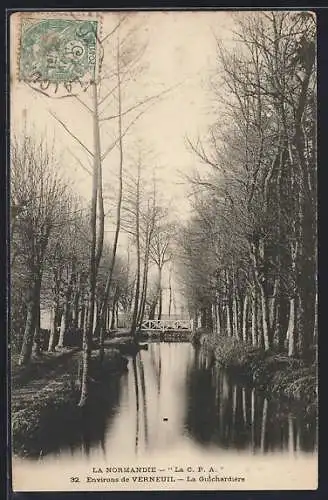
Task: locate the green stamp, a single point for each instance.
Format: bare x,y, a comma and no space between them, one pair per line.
58,51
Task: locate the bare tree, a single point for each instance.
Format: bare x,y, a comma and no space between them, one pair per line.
160,254
34,177
262,149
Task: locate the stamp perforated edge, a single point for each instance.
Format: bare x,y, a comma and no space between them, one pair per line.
17,20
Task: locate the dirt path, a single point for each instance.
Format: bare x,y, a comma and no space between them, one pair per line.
28,381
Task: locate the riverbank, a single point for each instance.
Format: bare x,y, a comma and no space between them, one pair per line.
269,371
45,397
126,343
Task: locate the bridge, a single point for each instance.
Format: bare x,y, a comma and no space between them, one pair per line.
167,324
168,330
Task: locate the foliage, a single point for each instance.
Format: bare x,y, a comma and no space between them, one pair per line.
269,370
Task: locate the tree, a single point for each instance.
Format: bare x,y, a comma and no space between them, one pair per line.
160,254
261,182
67,263
34,177
108,90
132,207
126,55
151,217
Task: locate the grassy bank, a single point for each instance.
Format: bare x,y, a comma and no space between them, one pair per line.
269,371
45,410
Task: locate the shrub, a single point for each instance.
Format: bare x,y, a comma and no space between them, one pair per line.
269,370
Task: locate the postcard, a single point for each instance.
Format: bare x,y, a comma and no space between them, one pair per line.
163,250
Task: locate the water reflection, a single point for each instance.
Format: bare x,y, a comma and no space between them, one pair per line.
82,429
231,414
154,392
173,394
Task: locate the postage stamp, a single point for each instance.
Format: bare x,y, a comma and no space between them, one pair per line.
58,53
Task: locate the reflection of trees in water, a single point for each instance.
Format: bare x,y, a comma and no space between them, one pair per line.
139,375
143,391
75,429
235,415
88,428
136,389
157,367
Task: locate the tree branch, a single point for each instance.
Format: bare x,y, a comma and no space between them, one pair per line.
112,146
83,104
71,133
138,104
79,161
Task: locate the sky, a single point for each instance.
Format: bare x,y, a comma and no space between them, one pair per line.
180,55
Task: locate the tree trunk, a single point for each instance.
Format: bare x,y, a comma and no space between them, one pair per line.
302,340
26,350
100,324
37,334
260,335
209,318
86,318
82,316
265,319
87,334
113,320
107,319
170,292
117,311
254,319
275,324
137,288
315,326
203,315
282,322
144,285
214,318
112,317
101,212
273,304
229,325
97,317
31,306
63,323
245,317
291,333
152,309
76,310
67,309
235,324
219,320
53,327
160,294
257,255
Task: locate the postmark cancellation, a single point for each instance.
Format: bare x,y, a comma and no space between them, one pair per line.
57,54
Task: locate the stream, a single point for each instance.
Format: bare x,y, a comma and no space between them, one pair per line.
174,409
